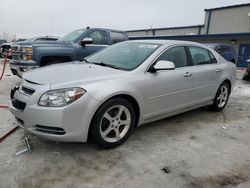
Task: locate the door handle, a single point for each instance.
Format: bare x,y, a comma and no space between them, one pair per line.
187,74
218,70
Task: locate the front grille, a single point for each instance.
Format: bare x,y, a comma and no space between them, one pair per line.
28,91
18,104
50,130
14,48
15,57
15,52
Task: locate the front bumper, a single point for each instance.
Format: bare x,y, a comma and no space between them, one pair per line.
69,123
19,67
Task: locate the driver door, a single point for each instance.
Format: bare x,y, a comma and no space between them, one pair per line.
168,90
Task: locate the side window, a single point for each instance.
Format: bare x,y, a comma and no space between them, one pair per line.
200,56
177,55
219,49
212,57
98,37
117,37
227,49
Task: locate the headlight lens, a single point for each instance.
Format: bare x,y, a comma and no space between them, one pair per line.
27,55
28,50
61,97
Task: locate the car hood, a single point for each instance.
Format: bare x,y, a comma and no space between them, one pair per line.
68,72
44,43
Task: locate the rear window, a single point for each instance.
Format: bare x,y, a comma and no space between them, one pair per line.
201,56
117,36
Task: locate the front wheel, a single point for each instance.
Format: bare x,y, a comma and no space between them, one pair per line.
113,123
221,98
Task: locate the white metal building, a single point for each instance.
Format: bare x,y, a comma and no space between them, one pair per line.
227,25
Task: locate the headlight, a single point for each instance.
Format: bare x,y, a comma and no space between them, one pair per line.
61,97
27,55
28,50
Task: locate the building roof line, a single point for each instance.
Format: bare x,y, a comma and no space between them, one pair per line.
163,28
227,7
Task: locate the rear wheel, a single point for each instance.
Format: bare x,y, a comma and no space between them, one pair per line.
221,98
113,123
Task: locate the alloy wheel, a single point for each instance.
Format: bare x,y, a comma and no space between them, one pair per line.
115,123
222,97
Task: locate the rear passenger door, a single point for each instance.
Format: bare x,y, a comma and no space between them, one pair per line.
205,74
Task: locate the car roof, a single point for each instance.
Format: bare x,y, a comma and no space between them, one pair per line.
217,44
168,42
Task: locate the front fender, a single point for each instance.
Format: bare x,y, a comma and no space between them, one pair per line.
103,93
40,52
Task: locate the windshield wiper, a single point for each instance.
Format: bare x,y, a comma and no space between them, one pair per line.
85,60
107,65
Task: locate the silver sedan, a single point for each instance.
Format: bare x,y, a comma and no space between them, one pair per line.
109,93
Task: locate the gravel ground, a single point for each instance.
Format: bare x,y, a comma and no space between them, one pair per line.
197,149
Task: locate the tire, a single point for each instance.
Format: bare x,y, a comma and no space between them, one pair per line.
221,98
246,76
108,130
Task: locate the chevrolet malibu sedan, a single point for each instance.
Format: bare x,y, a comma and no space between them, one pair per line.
106,95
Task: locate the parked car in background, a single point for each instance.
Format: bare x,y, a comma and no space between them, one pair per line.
226,51
113,91
76,45
5,47
20,40
2,41
247,74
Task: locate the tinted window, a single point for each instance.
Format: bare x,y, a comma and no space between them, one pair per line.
223,49
117,36
124,55
226,49
200,56
212,58
177,55
98,37
73,35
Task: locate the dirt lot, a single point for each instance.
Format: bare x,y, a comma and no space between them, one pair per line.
198,149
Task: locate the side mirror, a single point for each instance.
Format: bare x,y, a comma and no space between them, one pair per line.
163,65
86,41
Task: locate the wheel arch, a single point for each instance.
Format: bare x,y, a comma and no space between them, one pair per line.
45,59
229,84
127,97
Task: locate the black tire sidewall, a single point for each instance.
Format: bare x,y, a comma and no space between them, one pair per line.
95,125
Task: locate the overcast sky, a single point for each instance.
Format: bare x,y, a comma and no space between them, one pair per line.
28,18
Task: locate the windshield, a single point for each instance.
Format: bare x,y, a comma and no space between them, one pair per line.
124,55
73,35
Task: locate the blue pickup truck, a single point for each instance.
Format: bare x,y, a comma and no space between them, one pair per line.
76,45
